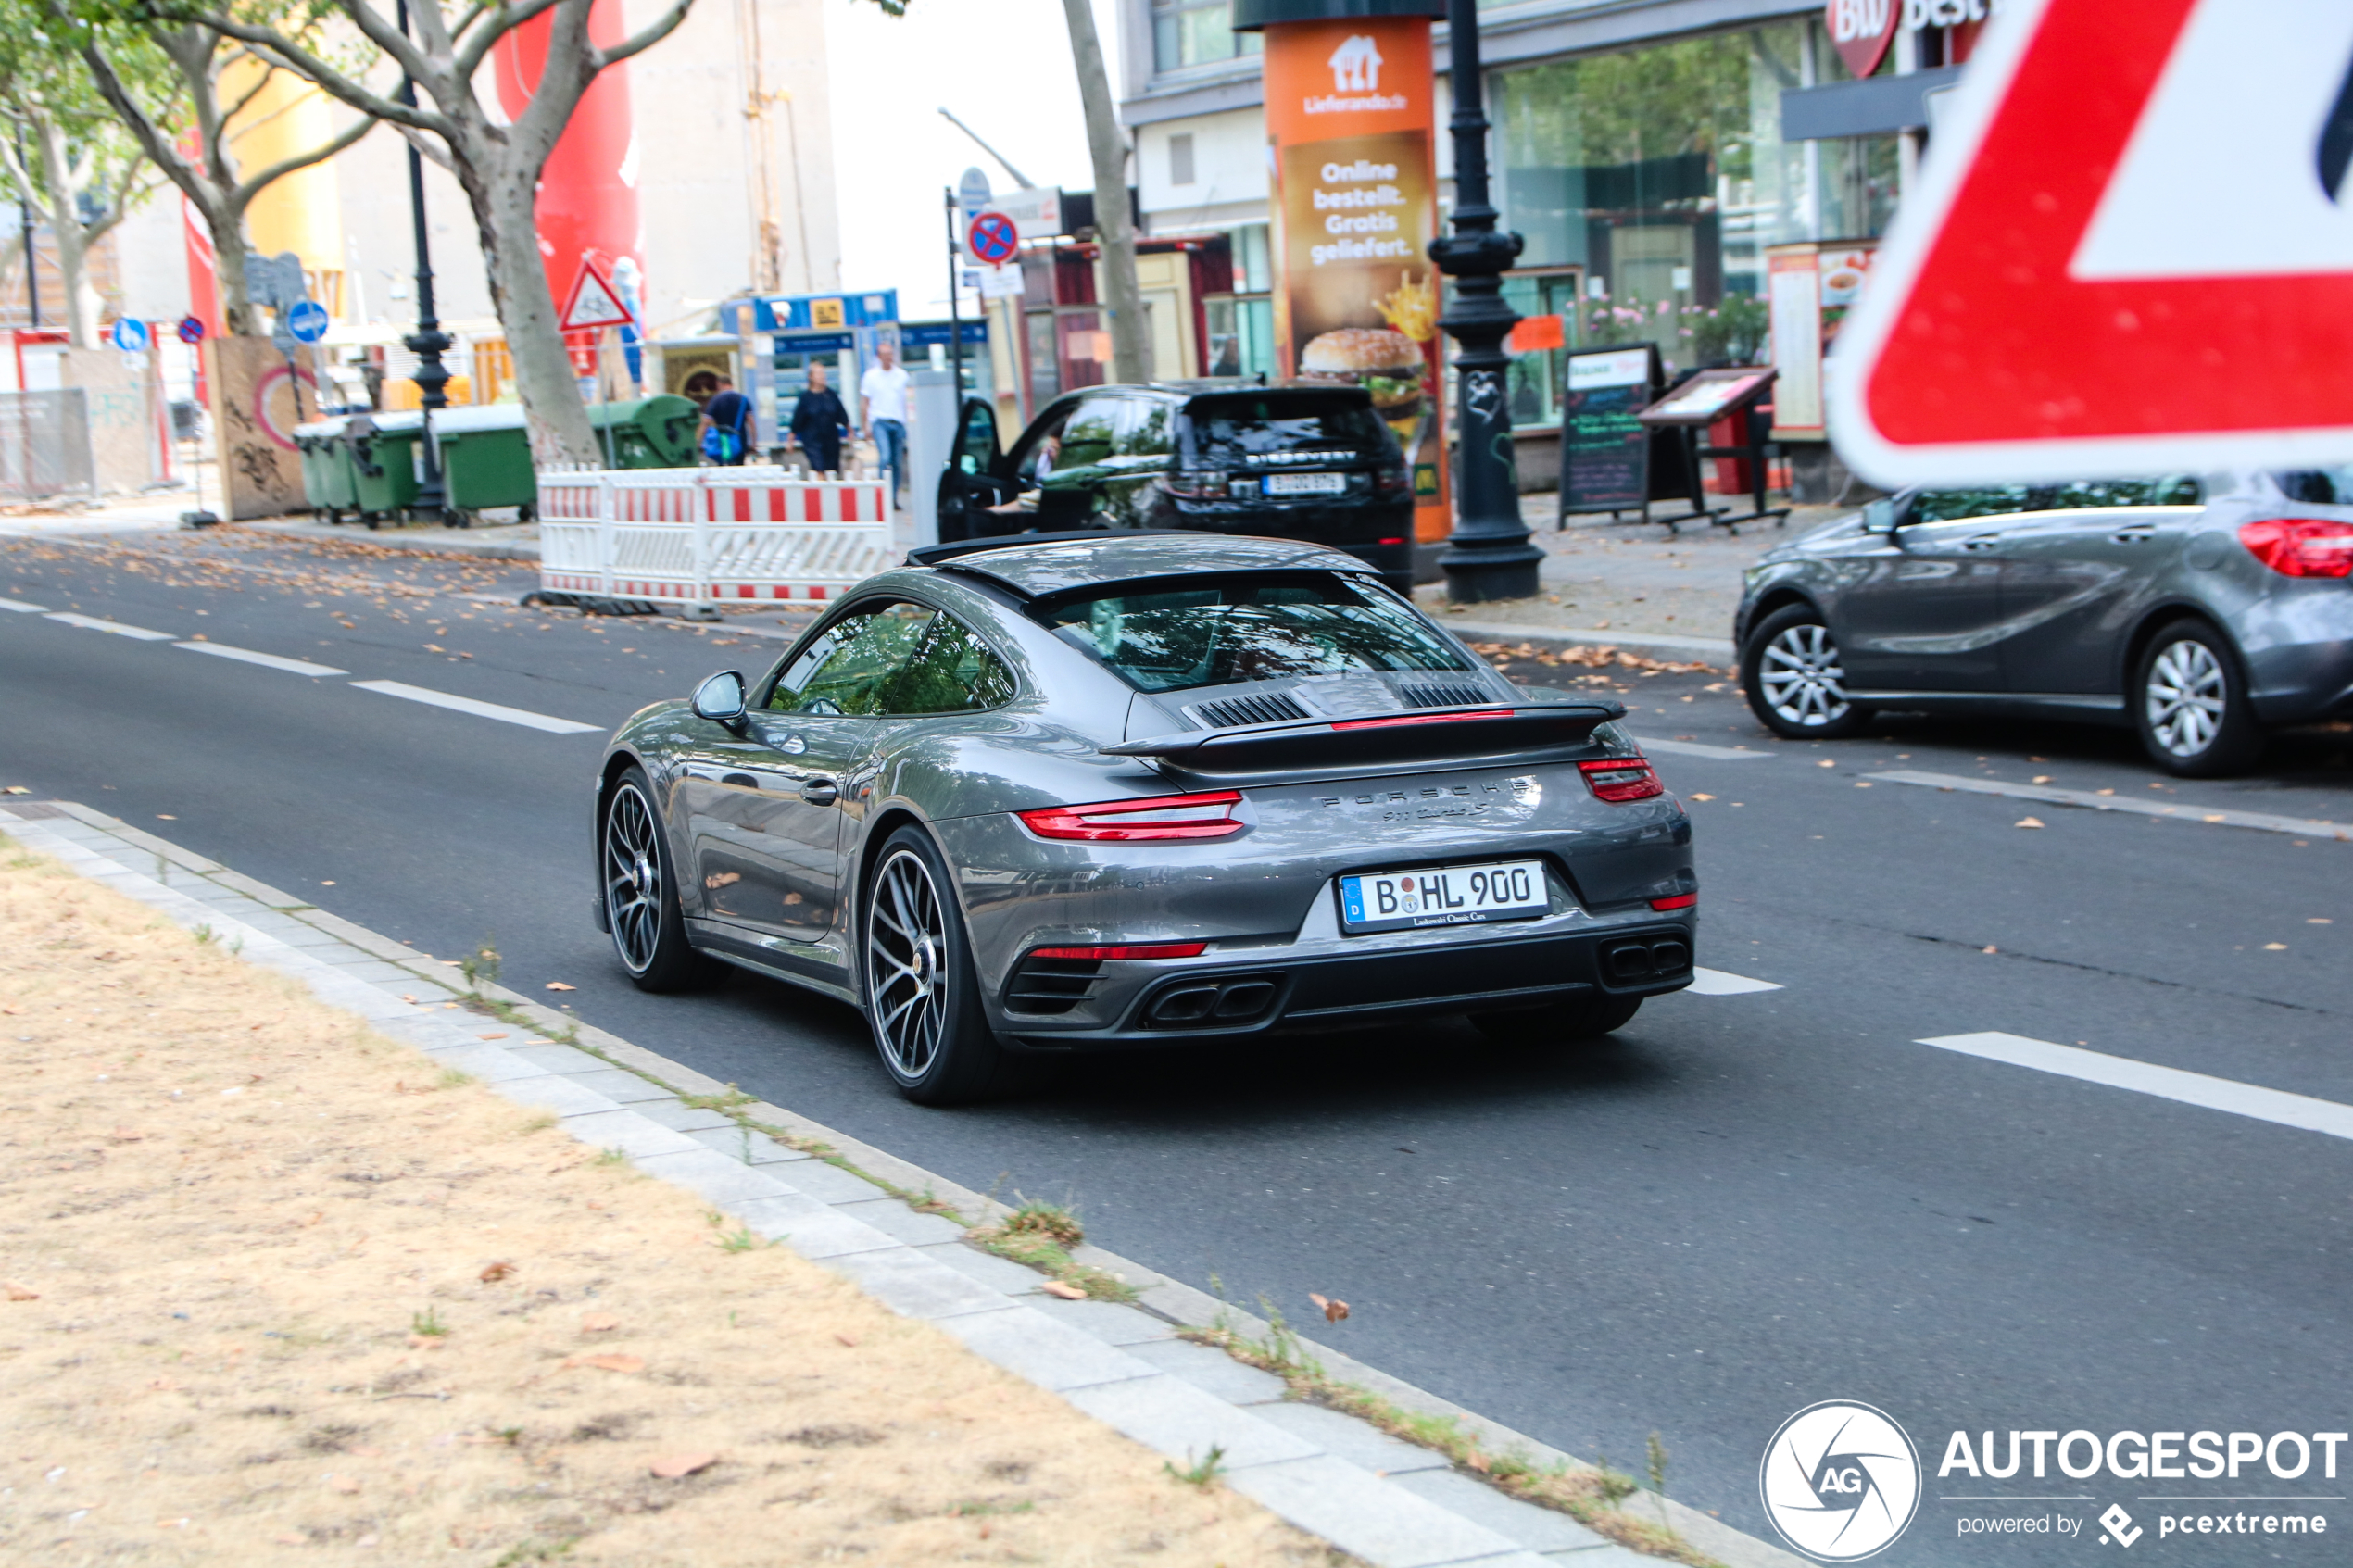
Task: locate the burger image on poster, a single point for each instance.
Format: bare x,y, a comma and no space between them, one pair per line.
1386,364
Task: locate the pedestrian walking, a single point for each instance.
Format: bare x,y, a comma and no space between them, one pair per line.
883,389
818,422
726,426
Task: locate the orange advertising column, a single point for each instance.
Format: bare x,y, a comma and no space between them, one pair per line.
1350,118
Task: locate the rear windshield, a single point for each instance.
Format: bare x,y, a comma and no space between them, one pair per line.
1226,432
1214,632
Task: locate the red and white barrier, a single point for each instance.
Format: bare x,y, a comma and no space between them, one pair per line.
702,536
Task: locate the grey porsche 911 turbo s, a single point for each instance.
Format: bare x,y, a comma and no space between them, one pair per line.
1055,794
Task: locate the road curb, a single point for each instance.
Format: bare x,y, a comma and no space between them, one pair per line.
1328,1473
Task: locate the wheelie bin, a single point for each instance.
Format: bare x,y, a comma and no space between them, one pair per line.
647,432
384,463
328,482
485,460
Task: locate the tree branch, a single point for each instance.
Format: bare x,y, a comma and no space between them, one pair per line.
659,29
271,48
504,18
151,137
246,189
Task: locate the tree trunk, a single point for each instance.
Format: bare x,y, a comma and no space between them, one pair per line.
1131,358
235,298
553,412
65,227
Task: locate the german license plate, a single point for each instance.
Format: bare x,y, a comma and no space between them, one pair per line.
1444,896
1306,484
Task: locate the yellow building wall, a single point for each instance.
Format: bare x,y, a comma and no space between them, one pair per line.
302,212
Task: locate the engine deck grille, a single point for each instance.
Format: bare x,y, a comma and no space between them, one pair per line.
1443,695
1271,708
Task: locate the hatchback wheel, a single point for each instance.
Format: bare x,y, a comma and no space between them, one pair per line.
641,894
1794,679
922,996
2190,704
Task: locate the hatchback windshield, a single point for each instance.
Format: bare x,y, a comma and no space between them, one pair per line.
1217,631
1229,431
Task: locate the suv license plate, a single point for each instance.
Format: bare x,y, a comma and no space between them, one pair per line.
1306,484
1444,896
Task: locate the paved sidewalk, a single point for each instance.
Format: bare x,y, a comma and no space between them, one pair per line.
1393,1504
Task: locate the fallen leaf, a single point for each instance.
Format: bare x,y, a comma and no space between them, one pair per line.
1698,796
608,1364
425,1341
600,1322
1827,762
164,817
672,1466
163,1386
1990,949
2275,946
1334,1312
344,1484
2315,920
365,1453
495,1273
501,1034
20,1292
1065,1289
2042,778
2215,817
2029,822
560,985
124,1134
1481,1462
18,789
407,997
848,1339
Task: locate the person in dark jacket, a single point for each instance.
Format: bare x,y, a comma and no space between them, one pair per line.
818,422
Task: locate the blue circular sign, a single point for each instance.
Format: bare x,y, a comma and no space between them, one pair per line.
306,320
130,335
993,238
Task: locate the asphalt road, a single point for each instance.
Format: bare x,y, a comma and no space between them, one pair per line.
1744,1204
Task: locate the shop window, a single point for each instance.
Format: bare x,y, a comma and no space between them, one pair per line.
1535,379
1180,158
1242,336
1194,32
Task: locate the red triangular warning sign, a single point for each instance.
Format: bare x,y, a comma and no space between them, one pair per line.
2131,252
593,302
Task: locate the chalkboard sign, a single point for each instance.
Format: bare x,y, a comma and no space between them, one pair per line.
1605,446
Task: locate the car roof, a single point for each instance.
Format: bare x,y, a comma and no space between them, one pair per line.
1053,566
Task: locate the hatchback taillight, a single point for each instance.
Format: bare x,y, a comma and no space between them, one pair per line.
1196,484
1393,482
1620,778
2301,546
1158,816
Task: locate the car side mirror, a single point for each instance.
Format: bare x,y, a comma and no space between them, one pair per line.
1880,516
722,699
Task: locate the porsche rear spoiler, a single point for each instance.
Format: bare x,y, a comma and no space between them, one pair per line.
1430,735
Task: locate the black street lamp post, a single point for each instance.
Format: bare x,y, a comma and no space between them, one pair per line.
1488,555
428,341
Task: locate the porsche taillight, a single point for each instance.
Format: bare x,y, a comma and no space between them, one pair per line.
1151,816
1618,778
2301,546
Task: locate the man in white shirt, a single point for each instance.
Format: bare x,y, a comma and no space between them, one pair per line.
883,391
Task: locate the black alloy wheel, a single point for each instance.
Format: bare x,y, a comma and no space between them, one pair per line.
641,894
1580,1019
922,996
1795,679
2189,703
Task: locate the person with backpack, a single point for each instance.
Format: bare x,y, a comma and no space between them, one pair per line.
818,421
726,426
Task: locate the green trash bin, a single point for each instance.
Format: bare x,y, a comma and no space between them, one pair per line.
485,460
384,463
647,433
328,482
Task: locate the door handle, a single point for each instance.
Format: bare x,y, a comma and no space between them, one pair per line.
2136,535
1983,542
819,792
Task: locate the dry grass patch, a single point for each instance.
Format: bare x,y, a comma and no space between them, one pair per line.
281,1289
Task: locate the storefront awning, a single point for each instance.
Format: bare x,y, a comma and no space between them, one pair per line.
1873,106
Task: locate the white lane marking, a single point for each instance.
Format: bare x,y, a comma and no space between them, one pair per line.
1716,983
2308,827
92,624
23,608
480,710
1694,748
2167,1083
267,661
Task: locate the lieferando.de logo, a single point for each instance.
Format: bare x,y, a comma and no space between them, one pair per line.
1841,1481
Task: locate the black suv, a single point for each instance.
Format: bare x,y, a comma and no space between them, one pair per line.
1284,461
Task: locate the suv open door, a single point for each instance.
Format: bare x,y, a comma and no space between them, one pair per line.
976,479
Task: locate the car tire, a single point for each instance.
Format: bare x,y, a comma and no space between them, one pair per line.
1584,1018
2190,704
1795,679
922,991
640,891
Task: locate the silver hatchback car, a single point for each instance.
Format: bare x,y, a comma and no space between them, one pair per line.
2201,611
1098,791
